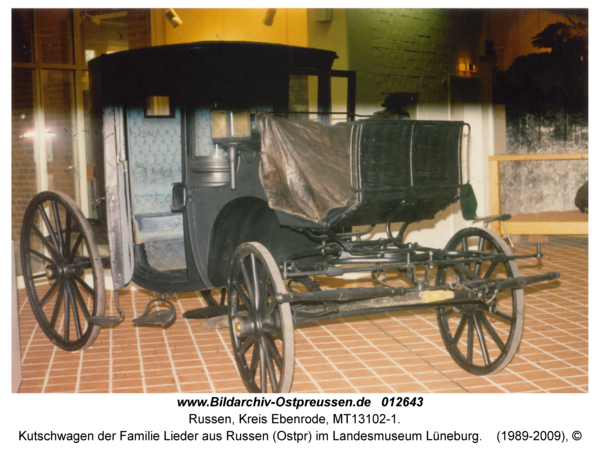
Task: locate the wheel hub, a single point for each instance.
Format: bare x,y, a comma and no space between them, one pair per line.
249,326
243,327
51,272
63,270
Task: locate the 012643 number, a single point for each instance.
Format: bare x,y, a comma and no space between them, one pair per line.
401,401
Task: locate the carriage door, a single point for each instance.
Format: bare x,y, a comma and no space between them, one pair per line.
154,144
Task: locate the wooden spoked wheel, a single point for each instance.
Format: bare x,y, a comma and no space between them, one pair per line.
62,270
481,338
262,330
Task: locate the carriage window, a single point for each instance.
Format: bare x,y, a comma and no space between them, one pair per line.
308,99
303,97
343,96
158,106
339,99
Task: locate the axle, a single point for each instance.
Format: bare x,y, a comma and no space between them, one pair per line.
484,286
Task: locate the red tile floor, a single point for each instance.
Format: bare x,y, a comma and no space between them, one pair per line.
396,352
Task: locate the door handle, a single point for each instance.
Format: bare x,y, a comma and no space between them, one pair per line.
178,197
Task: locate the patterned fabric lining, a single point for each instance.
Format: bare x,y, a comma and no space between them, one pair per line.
166,254
155,163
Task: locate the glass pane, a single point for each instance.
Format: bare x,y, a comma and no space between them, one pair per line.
24,180
157,106
240,123
55,35
339,99
106,31
298,97
22,36
218,123
60,129
303,96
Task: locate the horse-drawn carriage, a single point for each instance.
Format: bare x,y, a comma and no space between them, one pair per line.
205,179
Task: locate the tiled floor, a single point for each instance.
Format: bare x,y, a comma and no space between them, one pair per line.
399,352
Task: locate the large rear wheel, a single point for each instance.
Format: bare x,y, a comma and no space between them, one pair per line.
62,270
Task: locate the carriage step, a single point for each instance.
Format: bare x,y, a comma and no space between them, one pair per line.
161,316
164,317
205,313
108,319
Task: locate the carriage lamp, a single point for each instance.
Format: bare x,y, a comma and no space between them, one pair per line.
230,128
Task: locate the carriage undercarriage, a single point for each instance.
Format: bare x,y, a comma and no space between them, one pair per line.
473,284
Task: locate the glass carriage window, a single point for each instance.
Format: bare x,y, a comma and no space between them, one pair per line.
303,97
339,99
158,106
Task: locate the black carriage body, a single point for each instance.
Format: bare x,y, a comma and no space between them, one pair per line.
134,203
400,170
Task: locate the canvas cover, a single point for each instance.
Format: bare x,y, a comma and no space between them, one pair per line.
305,165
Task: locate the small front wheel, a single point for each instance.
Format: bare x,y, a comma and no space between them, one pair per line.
262,330
493,333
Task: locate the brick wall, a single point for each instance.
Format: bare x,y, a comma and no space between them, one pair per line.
410,50
55,25
138,28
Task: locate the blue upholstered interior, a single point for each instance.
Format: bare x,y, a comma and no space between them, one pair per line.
154,146
159,222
